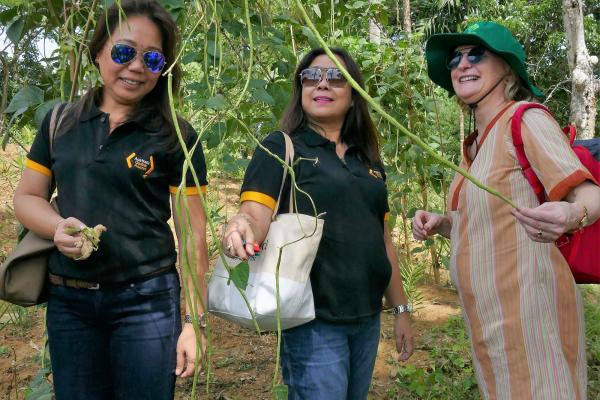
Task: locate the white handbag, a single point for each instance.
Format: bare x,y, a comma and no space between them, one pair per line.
298,235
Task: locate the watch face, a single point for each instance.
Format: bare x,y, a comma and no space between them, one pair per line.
201,320
401,309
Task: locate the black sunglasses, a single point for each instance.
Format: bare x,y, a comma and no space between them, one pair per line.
123,53
474,55
312,76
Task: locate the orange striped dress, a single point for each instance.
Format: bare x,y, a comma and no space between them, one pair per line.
522,309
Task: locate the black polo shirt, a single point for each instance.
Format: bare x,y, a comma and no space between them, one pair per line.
123,181
351,270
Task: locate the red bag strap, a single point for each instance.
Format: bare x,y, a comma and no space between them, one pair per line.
530,175
571,132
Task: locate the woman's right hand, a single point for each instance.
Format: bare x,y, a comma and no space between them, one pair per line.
238,237
426,224
65,243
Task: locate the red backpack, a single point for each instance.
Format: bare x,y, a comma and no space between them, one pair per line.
580,248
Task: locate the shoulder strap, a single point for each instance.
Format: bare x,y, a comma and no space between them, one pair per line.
52,127
530,175
56,118
289,160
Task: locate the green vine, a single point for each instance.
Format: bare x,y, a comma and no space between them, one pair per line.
415,139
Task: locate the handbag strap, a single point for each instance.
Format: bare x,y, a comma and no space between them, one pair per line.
289,160
52,127
56,118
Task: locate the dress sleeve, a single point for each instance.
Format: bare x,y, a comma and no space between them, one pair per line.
550,155
262,180
39,158
194,146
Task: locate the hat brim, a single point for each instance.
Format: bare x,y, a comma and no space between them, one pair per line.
440,45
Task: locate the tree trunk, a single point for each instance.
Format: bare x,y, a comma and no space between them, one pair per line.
583,86
406,16
9,68
374,32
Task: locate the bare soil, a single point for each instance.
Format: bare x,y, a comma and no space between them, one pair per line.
242,363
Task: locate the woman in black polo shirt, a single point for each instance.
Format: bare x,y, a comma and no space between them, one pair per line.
114,319
333,356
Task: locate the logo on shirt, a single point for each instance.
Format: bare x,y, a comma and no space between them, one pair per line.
146,166
375,174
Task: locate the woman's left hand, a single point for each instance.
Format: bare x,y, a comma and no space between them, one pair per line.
548,221
186,351
404,336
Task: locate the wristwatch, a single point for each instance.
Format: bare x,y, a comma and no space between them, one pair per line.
187,318
402,308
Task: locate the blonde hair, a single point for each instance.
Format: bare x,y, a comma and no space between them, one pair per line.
515,90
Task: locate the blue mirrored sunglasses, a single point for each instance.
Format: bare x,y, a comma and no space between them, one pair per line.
474,55
123,53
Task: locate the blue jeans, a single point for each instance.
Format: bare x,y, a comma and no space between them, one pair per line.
116,343
333,361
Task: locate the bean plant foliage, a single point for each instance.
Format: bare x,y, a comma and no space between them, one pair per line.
238,58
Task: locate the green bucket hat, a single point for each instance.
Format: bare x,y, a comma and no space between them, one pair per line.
490,35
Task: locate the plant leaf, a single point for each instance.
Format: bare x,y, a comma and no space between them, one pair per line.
42,110
317,10
216,102
240,274
263,95
25,98
280,392
15,30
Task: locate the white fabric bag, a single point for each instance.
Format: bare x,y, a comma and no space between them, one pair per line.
295,292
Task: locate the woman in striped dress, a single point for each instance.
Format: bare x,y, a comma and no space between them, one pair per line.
520,303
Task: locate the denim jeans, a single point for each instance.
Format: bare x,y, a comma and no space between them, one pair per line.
115,343
333,361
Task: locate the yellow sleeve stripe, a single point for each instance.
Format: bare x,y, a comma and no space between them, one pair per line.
259,197
189,191
38,167
386,216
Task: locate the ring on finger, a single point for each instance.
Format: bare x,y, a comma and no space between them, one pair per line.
539,233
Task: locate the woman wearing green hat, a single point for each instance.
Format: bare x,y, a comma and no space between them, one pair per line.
520,303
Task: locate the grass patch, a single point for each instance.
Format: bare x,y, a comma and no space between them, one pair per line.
450,373
591,309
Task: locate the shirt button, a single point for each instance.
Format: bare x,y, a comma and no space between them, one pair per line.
100,147
103,119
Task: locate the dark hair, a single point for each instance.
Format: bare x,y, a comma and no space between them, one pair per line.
358,128
157,101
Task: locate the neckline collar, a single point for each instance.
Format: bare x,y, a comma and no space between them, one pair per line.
312,138
472,137
147,119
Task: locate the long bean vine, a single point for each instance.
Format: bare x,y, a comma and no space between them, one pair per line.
206,19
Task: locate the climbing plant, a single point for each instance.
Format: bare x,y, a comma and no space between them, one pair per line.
238,57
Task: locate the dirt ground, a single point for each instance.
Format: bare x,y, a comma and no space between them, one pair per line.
242,362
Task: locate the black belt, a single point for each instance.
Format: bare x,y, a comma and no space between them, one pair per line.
78,284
